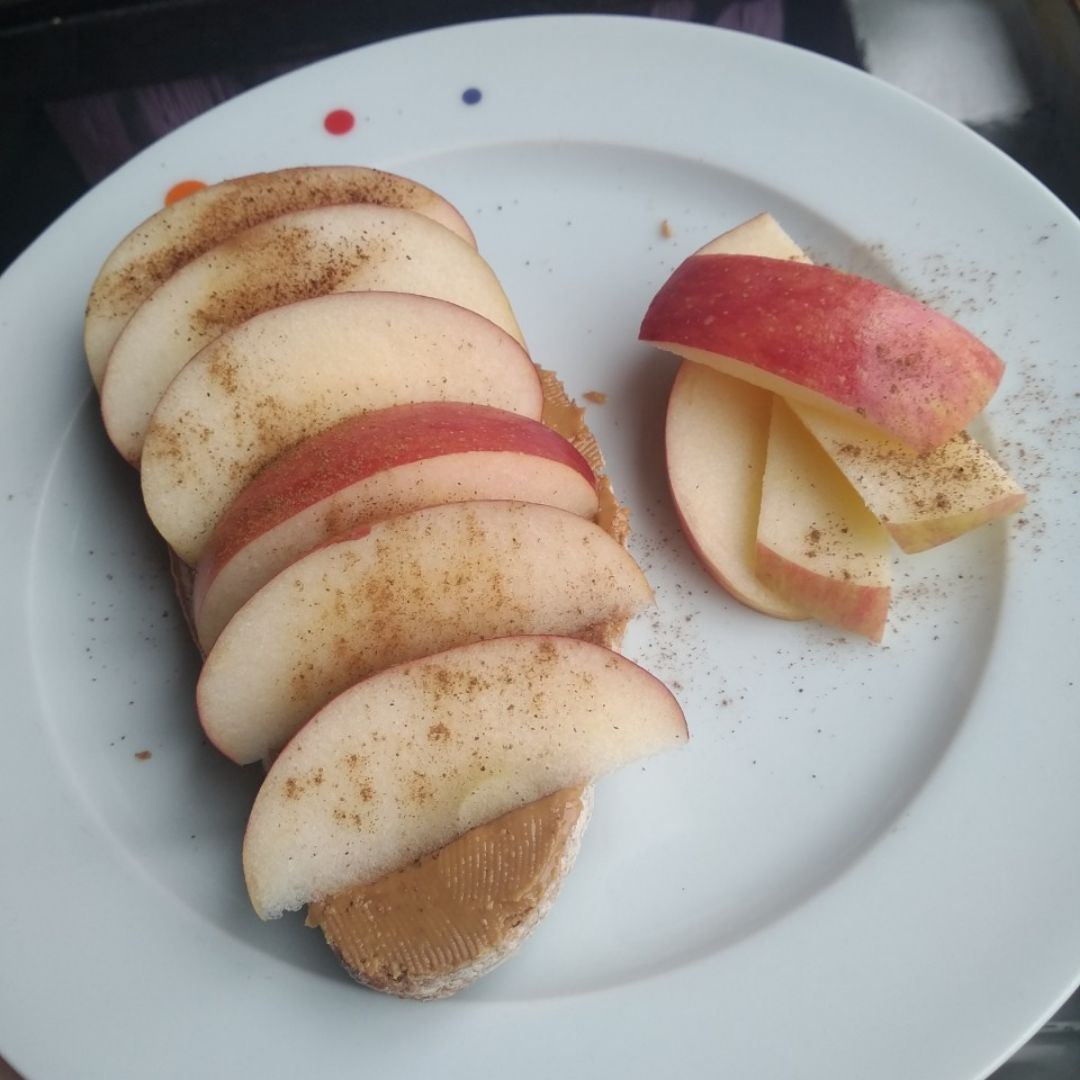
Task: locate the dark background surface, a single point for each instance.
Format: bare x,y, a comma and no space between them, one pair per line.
85,84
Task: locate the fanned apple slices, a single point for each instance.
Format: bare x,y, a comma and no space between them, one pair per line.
183,230
293,257
384,516
407,587
815,415
295,371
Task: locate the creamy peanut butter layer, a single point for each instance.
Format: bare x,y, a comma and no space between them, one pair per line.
455,905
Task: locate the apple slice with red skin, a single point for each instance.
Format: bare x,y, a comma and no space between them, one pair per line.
818,546
408,760
289,258
828,339
294,371
716,435
371,467
921,499
409,586
183,230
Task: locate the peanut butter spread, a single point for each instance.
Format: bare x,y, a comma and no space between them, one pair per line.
450,908
568,419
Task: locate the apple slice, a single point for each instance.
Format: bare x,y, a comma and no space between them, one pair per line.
759,235
413,585
371,467
294,371
406,761
716,435
292,257
921,499
826,339
817,545
174,236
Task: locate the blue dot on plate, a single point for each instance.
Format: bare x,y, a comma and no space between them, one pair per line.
471,96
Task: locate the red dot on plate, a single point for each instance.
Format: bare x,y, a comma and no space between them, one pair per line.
339,122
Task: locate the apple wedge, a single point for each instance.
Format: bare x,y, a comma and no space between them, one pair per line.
827,339
413,757
410,586
294,371
371,467
922,499
289,258
182,231
817,545
716,435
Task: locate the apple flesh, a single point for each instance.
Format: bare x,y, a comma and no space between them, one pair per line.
716,435
294,371
413,757
817,545
289,258
371,467
180,232
922,499
826,339
410,586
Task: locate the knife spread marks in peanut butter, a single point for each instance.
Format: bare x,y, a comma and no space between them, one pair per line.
457,904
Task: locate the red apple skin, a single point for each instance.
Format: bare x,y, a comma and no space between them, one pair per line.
862,609
884,356
361,446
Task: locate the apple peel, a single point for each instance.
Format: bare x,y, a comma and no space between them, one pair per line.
375,466
827,339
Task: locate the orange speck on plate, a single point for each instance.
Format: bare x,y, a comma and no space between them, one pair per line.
182,190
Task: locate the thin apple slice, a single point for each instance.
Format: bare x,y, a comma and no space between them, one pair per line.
406,761
818,546
294,371
759,235
371,467
827,339
411,586
289,258
922,499
716,435
182,231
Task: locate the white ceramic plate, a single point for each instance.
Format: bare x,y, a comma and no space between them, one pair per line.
864,866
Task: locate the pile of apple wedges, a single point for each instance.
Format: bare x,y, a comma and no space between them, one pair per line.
397,552
816,420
